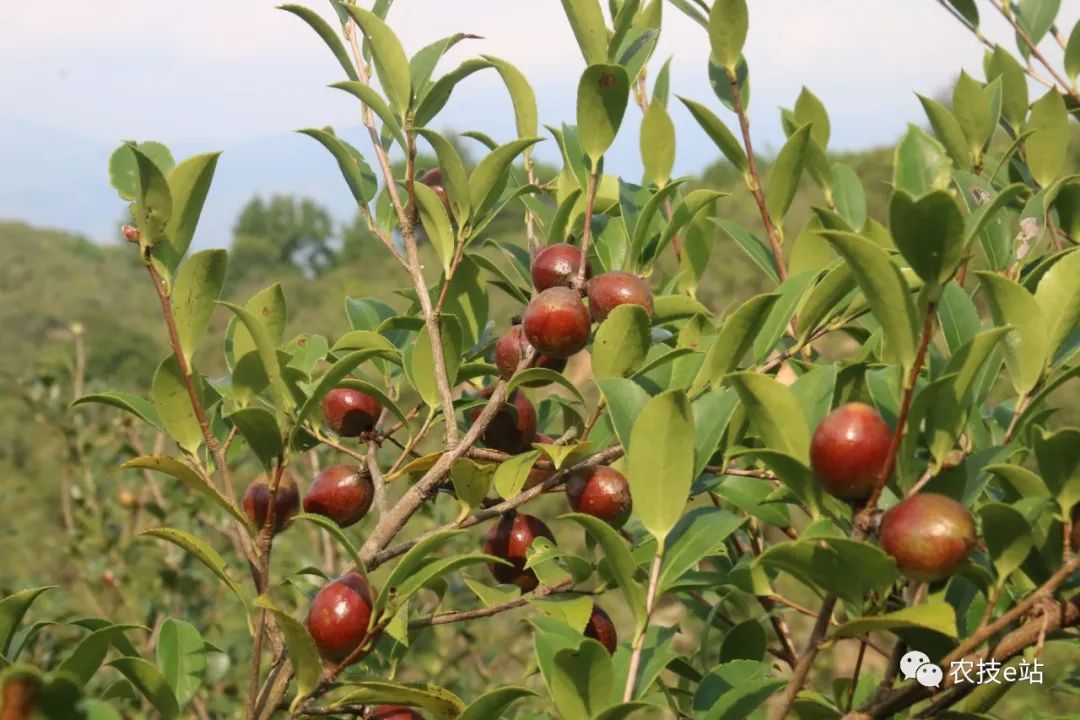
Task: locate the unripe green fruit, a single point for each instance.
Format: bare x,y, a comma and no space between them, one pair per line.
342,493
339,616
286,502
929,535
612,289
557,323
849,450
509,539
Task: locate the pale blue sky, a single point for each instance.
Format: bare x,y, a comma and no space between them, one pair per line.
240,76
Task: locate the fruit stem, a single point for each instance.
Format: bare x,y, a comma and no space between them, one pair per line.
639,639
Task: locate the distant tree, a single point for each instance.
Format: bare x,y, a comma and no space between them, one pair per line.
285,230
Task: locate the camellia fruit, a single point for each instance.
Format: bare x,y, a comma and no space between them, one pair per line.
342,493
929,535
557,323
849,450
601,492
612,289
556,266
510,431
349,412
286,502
339,616
512,347
601,629
509,539
433,178
395,712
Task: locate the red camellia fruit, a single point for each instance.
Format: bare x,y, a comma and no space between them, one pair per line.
929,535
339,615
601,629
556,266
512,346
395,712
509,539
349,412
508,432
342,493
557,323
849,450
601,492
612,289
433,178
286,502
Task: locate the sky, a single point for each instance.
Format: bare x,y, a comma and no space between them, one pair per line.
241,76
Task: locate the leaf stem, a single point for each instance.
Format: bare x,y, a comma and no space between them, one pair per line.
639,639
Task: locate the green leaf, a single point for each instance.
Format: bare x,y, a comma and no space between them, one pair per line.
975,113
791,292
733,341
1058,454
455,179
436,223
1072,53
328,35
884,288
948,131
265,346
621,343
197,287
372,99
302,651
934,615
124,170
521,95
153,200
137,406
149,681
494,703
205,554
423,63
1036,17
587,21
602,95
440,702
753,246
511,475
1049,140
661,461
485,179
824,301
657,144
787,171
358,175
88,655
734,690
413,561
625,400
700,533
471,482
181,656
187,475
729,21
267,304
12,610
1058,294
774,414
420,360
718,133
1010,541
1014,87
810,110
335,531
1026,347
849,195
920,164
618,557
581,680
391,63
260,429
173,405
189,184
929,232
712,414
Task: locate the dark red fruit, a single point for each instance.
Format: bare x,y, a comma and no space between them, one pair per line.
395,712
601,492
339,615
615,288
556,266
349,412
509,539
849,450
342,493
506,432
929,535
512,346
556,322
433,178
601,629
286,502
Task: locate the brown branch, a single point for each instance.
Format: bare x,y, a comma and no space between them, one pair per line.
639,639
586,232
1060,82
462,615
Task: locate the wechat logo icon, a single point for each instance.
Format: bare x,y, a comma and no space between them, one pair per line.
917,665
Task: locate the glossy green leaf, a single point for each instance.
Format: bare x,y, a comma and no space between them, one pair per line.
621,343
436,223
173,405
1058,454
438,701
774,414
189,184
202,551
124,170
259,428
372,99
618,557
734,690
358,174
187,475
12,610
700,533
1058,294
718,132
86,658
810,110
484,181
603,93
657,144
1026,347
137,406
661,461
1014,84
974,111
420,360
328,35
266,347
415,559
455,179
150,682
335,531
581,681
153,199
1011,539
825,299
920,164
791,292
587,21
712,414
733,341
948,131
302,651
935,615
181,656
884,288
494,703
754,247
521,95
422,64
1036,18
929,232
1046,146
391,63
196,290
729,21
1072,53
267,304
545,375
787,171
512,474
625,400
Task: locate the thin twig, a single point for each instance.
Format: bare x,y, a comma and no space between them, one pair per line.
639,639
462,615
